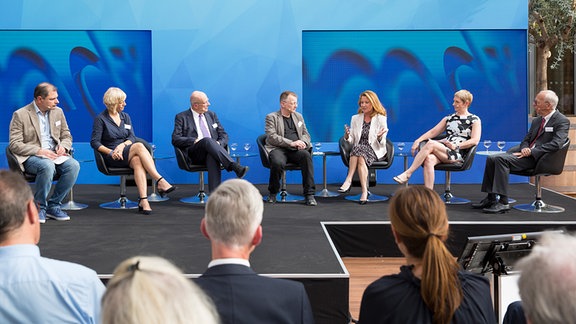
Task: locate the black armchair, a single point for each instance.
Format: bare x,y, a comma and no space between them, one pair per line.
184,164
345,149
284,195
448,197
551,163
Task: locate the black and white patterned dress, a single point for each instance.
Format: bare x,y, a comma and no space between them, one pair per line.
363,148
459,130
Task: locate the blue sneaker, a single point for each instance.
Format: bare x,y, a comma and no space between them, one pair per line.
42,216
56,213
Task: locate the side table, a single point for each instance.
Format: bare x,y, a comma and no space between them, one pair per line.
325,192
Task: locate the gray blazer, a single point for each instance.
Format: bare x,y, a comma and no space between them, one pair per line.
275,130
25,132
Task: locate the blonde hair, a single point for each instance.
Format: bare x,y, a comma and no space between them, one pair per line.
377,107
113,97
465,96
148,289
418,216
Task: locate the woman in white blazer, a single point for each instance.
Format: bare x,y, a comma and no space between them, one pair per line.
367,133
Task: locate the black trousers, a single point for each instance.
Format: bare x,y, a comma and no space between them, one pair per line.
208,151
278,159
497,171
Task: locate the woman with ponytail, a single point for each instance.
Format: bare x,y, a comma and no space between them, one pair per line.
431,287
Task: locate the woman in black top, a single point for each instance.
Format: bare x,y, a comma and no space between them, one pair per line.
431,288
113,136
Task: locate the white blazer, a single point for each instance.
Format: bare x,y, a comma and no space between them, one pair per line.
377,123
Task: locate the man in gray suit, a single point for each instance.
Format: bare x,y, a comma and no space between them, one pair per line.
41,141
548,133
288,140
232,223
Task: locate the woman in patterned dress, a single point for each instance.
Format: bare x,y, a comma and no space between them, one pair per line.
367,133
463,130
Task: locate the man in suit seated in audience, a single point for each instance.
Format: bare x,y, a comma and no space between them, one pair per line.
199,134
547,282
34,289
232,223
547,133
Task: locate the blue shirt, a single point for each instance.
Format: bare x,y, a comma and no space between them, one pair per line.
105,131
34,289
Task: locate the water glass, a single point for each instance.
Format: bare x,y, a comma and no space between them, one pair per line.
401,146
317,146
487,144
501,145
247,147
234,147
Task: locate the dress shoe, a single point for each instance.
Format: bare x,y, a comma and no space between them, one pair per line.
363,202
271,198
484,203
141,209
240,171
310,201
345,187
161,192
401,179
497,208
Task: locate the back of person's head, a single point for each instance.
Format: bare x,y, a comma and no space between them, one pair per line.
377,106
15,193
547,282
147,289
418,217
464,95
234,212
112,97
551,97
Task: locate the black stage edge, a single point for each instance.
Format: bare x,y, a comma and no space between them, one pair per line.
300,242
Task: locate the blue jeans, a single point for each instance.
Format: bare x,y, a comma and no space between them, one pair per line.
45,170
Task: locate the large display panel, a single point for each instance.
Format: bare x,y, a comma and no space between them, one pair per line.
415,74
82,64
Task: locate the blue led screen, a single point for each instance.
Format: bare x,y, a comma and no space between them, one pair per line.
82,64
415,74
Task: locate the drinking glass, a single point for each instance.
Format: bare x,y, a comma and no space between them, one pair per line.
487,144
234,147
501,145
401,146
247,147
317,146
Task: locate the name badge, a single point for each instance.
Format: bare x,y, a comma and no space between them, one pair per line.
58,123
126,126
214,125
300,124
549,129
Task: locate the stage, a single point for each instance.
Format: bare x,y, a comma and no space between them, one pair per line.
300,242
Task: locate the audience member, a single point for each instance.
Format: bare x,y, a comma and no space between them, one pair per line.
548,133
199,134
547,282
367,133
431,288
41,141
463,130
34,289
113,136
148,289
288,140
232,223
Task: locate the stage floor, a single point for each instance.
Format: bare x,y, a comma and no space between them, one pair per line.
300,242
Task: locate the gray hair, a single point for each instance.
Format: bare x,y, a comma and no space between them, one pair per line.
15,194
234,212
547,282
551,97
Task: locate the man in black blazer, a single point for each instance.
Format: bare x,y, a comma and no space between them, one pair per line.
232,223
547,133
199,134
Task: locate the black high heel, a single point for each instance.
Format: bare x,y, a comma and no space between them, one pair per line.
141,209
161,192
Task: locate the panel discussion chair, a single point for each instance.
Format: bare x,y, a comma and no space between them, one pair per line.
551,163
345,150
184,164
122,202
285,196
447,196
